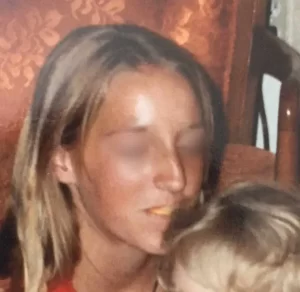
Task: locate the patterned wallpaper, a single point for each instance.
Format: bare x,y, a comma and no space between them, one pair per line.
29,29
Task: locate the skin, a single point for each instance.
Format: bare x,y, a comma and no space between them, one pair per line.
141,160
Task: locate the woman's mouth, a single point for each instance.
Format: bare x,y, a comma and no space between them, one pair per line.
161,211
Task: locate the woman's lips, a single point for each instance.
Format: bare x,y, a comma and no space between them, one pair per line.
161,211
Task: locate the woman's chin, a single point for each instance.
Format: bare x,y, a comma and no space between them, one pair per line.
155,247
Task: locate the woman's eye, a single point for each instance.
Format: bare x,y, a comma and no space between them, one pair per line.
191,142
133,150
191,150
191,147
131,145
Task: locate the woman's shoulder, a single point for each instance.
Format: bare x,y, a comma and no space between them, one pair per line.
62,287
66,286
4,285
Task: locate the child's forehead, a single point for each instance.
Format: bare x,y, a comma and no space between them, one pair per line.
184,283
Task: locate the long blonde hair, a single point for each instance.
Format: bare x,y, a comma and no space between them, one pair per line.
70,89
246,241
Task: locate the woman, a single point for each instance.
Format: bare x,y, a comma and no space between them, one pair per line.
117,138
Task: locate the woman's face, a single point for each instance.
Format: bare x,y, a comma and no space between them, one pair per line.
143,157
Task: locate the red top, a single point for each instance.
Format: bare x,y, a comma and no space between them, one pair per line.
63,287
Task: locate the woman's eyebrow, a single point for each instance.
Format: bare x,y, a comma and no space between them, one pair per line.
192,127
198,125
133,129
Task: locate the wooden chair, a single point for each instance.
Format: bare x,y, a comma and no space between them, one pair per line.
223,34
272,56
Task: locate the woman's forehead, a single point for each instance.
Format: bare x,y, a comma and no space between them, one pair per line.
148,96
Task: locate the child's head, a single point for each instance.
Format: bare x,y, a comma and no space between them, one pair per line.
247,240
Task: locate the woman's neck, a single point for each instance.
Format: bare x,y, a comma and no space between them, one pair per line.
106,265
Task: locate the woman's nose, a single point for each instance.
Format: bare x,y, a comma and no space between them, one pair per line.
169,174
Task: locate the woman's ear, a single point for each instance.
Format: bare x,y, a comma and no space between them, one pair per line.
63,167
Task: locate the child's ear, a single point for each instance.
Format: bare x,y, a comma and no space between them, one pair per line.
62,166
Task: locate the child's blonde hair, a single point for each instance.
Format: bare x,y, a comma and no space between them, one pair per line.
247,240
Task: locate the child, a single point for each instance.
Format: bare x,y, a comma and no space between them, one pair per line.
248,240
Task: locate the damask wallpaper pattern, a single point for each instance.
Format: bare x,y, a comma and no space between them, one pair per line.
29,29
